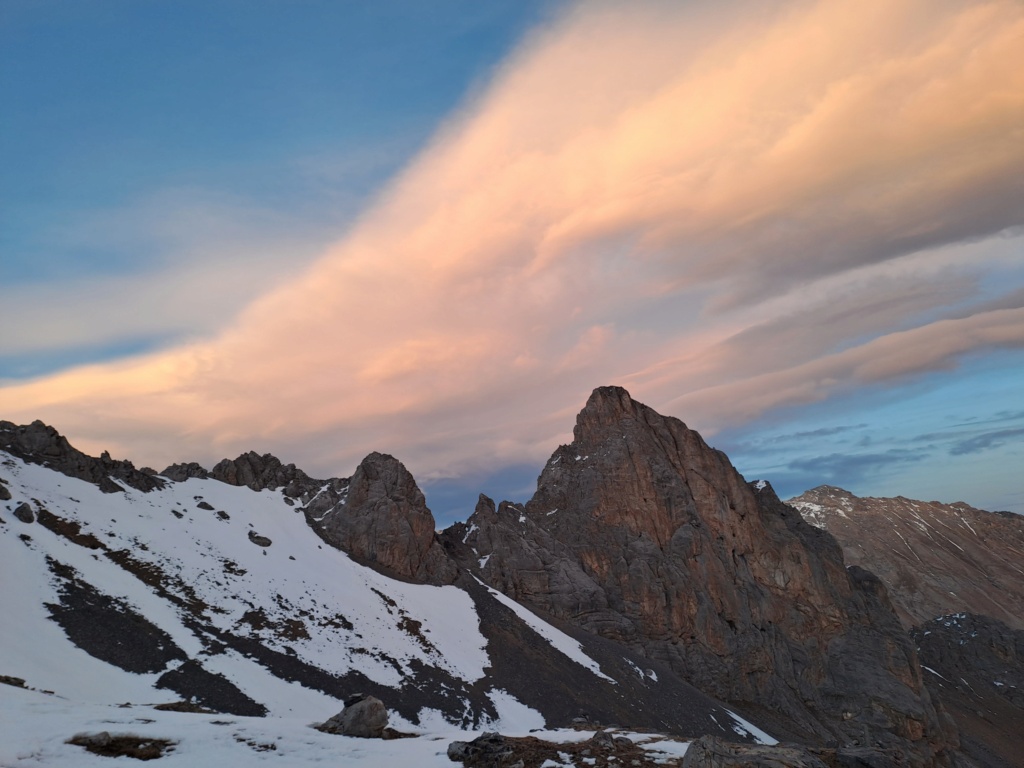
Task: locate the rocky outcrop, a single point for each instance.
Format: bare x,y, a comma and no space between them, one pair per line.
38,443
363,716
266,471
975,666
935,559
383,519
641,533
179,473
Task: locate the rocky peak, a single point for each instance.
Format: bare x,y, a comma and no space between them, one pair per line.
642,533
38,443
383,518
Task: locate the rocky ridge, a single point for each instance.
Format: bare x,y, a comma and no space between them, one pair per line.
935,559
640,541
38,443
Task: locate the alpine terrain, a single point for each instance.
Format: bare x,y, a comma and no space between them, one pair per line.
954,574
647,606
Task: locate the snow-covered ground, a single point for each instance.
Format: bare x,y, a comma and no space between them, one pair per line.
34,729
351,617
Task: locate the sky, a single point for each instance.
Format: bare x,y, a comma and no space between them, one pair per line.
320,229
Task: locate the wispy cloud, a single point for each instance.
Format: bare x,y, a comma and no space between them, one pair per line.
987,441
727,208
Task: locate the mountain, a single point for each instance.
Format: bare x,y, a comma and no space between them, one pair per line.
641,533
935,559
645,583
212,591
953,573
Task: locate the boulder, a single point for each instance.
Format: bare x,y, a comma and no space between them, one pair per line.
24,513
363,716
259,541
487,749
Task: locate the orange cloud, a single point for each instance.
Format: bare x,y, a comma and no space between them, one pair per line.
620,205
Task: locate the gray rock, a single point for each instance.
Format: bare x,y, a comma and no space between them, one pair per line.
5,494
363,716
38,443
261,472
179,473
24,513
487,749
260,541
712,752
383,519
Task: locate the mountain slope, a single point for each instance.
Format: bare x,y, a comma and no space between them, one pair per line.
935,559
641,533
209,590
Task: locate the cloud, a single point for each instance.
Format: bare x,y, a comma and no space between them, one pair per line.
985,441
852,467
727,208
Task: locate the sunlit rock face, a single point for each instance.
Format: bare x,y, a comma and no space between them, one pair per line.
642,533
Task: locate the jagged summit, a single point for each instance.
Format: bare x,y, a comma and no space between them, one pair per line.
642,533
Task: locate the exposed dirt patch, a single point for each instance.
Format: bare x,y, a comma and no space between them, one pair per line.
69,529
107,628
122,745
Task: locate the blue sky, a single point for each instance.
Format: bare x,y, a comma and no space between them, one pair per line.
320,229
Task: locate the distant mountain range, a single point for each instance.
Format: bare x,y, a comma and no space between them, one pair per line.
645,584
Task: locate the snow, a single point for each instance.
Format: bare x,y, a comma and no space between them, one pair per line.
34,727
215,560
746,728
761,485
514,717
665,748
558,639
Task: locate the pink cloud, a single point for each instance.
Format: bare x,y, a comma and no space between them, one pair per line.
620,205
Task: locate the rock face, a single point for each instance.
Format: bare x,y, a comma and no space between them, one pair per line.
266,471
711,752
363,716
39,444
975,666
383,519
935,559
641,533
